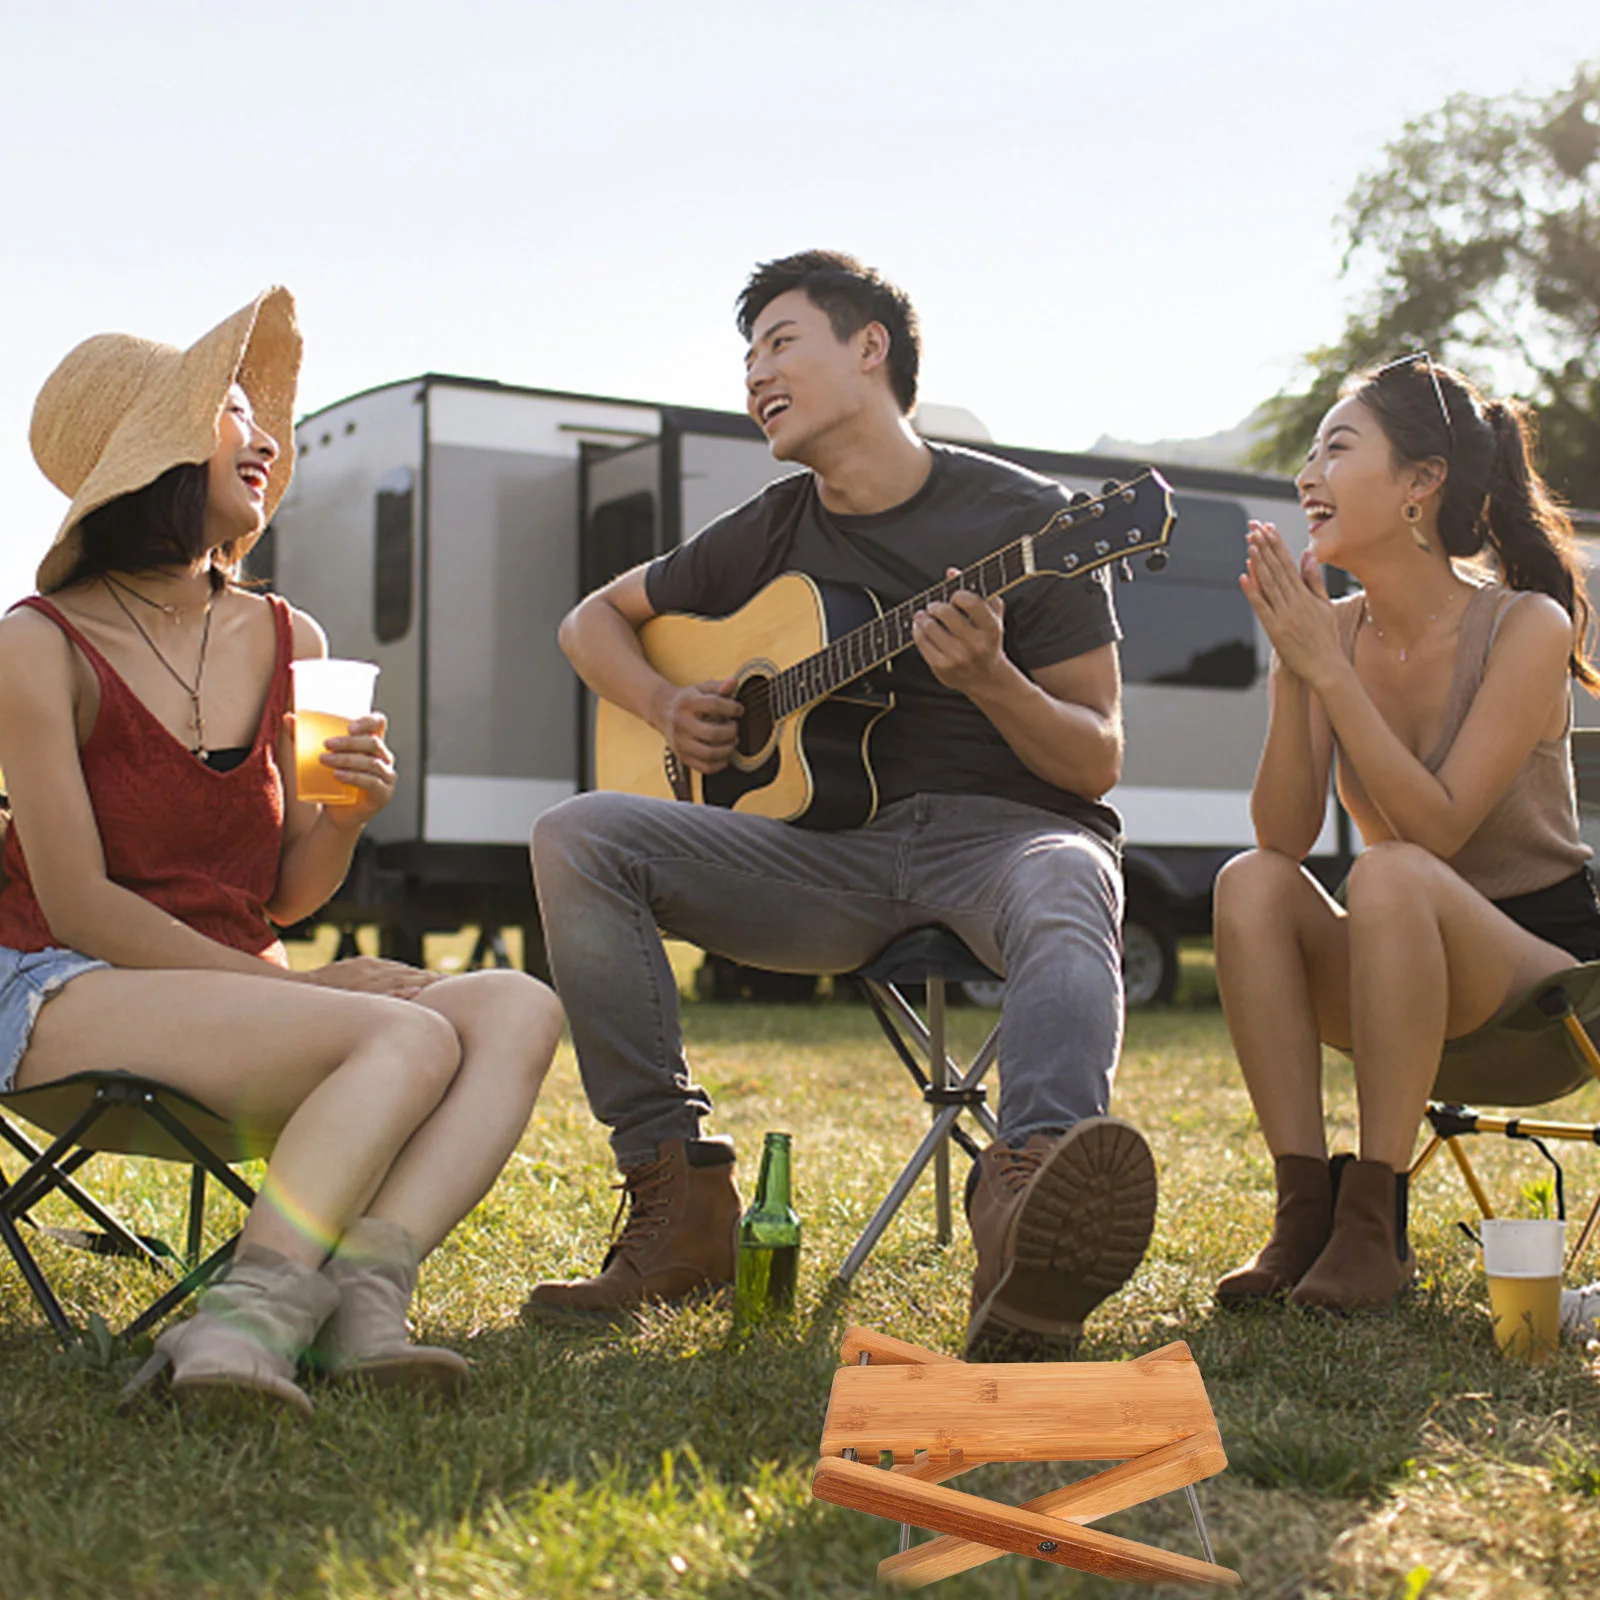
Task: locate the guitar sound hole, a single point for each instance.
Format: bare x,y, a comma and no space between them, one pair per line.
755,726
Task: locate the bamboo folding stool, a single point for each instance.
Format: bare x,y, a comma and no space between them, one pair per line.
939,1417
1553,1008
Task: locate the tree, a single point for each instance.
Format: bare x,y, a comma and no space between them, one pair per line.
1482,232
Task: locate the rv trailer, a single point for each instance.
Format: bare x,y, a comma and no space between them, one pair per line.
442,526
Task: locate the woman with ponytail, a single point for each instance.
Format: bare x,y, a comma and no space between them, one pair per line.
1441,691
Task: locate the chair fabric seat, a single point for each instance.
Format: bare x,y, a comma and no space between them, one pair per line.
124,1128
923,953
1522,1056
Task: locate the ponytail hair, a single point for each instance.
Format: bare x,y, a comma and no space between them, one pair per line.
1493,494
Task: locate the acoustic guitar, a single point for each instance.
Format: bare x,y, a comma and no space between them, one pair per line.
811,660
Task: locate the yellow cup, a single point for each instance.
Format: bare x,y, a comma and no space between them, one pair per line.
329,695
1522,1261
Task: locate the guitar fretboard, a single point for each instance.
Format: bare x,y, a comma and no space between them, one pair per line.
873,643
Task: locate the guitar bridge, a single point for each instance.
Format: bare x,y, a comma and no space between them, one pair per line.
677,775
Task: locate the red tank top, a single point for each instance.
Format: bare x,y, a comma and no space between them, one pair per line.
201,844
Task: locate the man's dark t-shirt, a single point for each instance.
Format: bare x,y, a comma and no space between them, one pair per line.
935,740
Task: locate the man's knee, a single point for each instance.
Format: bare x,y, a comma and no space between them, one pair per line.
579,827
1064,879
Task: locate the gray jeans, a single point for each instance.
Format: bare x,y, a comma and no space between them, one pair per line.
1033,896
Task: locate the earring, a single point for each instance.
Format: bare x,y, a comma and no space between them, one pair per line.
1412,512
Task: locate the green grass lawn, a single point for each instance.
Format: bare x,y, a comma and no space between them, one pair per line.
1373,1456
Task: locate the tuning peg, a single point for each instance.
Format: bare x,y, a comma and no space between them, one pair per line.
1110,486
1124,571
1081,498
1155,561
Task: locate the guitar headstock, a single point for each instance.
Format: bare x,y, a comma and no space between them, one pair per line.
1125,519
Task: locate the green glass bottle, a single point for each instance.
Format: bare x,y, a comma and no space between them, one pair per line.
769,1241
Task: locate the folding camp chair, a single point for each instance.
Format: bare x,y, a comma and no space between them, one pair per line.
932,956
938,1417
1538,1049
117,1113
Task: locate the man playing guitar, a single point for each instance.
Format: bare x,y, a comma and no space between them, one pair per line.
1006,731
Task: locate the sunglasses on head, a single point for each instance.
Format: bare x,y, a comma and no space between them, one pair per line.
1433,378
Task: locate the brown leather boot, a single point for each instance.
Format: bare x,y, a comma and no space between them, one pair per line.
1301,1227
1058,1225
1367,1261
680,1240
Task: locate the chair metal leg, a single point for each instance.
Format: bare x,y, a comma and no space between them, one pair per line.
35,1279
896,1196
43,1176
939,1072
197,1214
192,1281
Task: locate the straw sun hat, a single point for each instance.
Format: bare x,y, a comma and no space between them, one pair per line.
119,411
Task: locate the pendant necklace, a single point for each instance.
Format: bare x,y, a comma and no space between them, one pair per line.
192,690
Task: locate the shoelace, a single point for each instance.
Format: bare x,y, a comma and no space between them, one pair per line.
640,1187
1013,1168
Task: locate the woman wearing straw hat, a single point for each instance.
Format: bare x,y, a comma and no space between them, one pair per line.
153,846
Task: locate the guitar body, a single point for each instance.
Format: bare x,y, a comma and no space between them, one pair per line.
809,768
811,664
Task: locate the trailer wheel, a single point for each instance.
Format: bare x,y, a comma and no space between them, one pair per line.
1149,961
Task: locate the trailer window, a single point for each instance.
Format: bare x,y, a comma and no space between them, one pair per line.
622,533
392,552
1189,625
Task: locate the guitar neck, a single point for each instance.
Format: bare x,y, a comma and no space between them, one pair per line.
881,640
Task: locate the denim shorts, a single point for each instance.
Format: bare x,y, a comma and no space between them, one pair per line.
27,979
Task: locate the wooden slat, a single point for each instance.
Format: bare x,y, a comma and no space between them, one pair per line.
886,1494
1128,1484
1059,1411
883,1349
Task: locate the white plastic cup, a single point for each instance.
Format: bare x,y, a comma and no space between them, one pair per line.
329,694
1522,1261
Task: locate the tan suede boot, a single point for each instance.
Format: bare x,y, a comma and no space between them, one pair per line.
374,1270
1058,1225
248,1331
680,1240
1301,1227
1368,1260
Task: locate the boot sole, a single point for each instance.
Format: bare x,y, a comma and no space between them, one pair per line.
1079,1234
219,1398
440,1377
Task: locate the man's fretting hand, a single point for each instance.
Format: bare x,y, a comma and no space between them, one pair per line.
961,638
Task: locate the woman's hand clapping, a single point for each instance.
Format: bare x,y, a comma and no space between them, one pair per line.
1292,604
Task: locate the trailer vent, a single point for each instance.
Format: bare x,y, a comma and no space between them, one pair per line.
392,557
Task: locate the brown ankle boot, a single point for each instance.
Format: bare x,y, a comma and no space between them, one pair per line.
680,1240
1058,1225
1300,1229
1367,1260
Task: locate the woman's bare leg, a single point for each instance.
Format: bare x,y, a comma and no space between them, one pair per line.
1430,960
1283,976
344,1079
508,1025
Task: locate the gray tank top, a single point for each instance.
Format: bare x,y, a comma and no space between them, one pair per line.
1529,840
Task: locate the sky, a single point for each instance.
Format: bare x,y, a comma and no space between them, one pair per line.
1112,219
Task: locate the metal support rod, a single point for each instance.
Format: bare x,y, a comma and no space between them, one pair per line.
1484,1208
1200,1522
939,1067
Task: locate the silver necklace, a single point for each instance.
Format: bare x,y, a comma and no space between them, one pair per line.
191,689
1383,638
155,605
